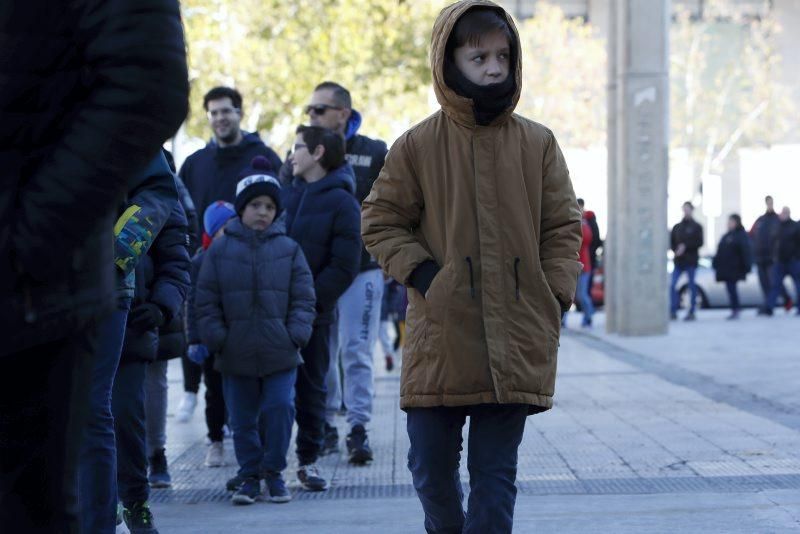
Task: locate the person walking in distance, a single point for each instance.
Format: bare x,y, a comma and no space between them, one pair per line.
733,260
764,234
322,215
355,331
686,239
787,259
584,294
474,211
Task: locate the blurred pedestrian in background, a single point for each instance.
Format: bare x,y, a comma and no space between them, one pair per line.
733,260
685,240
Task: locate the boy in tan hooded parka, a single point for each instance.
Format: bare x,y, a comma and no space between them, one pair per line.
474,210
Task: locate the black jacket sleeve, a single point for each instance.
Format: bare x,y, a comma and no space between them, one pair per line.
135,68
192,334
337,276
193,224
171,265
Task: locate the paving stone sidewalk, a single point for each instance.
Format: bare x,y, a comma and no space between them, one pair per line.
672,436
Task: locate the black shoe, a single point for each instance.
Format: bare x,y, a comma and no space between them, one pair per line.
673,316
733,316
330,444
277,488
690,317
248,493
139,519
309,477
159,474
234,483
358,446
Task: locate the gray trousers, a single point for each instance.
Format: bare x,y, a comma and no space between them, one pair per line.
155,405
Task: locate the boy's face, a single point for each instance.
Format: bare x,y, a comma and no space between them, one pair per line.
302,159
488,63
259,213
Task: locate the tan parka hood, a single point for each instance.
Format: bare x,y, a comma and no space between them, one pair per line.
457,107
493,207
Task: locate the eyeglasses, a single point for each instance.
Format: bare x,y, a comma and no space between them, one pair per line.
298,146
319,109
222,112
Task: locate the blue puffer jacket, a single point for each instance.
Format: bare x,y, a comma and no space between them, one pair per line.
255,300
324,218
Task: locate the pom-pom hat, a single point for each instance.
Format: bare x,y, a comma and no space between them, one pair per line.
256,180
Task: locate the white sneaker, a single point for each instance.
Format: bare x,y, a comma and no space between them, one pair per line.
215,457
186,407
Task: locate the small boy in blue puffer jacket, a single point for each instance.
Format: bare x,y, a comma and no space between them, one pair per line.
255,306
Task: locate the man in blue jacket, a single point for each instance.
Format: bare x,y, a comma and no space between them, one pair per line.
91,90
211,173
323,216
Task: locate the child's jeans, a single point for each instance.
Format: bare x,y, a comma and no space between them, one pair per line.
272,398
495,433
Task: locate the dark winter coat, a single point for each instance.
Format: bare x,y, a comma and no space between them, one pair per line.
324,218
191,214
162,278
80,116
211,173
366,156
690,233
172,336
765,234
192,333
734,257
787,245
255,300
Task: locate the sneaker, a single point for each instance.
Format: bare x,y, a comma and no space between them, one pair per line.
248,493
330,443
358,446
389,363
733,316
309,477
690,317
139,519
186,407
234,483
122,528
215,457
159,474
276,488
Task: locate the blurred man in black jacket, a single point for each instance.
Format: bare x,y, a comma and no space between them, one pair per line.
91,89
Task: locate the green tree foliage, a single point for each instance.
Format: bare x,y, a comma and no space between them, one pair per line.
276,51
725,89
564,76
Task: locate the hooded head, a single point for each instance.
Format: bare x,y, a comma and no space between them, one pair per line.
461,98
216,215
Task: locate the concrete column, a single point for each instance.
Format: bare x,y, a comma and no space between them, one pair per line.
638,166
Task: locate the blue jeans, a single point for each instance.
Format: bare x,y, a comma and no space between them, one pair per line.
271,400
127,405
357,332
97,468
733,294
779,271
585,296
495,433
673,288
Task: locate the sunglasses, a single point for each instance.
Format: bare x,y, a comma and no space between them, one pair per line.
319,109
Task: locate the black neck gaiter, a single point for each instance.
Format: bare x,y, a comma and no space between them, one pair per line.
489,101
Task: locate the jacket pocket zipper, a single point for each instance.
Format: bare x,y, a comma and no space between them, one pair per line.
471,277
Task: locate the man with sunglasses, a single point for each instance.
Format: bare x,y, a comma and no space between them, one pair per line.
355,333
